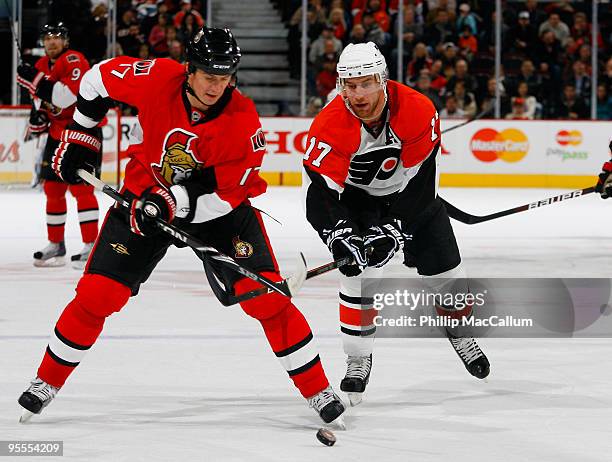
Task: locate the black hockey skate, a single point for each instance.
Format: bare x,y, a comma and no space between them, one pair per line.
51,256
357,376
329,406
471,355
38,396
80,259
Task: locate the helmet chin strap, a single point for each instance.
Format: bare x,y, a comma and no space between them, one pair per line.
193,93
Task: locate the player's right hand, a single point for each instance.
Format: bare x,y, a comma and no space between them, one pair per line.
604,184
344,241
79,147
155,202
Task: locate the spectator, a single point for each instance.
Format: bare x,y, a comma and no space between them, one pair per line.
358,34
462,75
518,110
466,19
338,24
326,78
441,31
529,101
449,55
123,27
434,6
423,86
318,47
604,103
488,102
465,100
175,50
187,9
523,36
314,106
580,81
132,42
315,18
157,36
373,32
584,56
412,33
536,15
571,106
144,52
451,111
557,27
548,52
375,8
607,77
188,27
527,74
468,45
420,60
438,81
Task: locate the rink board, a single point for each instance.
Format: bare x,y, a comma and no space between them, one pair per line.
485,153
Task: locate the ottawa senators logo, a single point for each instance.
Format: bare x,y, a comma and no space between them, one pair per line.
243,248
177,160
258,141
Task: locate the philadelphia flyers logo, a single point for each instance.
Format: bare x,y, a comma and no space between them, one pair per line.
377,164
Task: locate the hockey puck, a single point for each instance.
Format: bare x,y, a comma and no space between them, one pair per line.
326,437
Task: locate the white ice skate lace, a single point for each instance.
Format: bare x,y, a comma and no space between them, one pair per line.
42,390
322,399
358,367
467,348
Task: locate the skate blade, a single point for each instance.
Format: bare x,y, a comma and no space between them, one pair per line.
79,264
337,424
53,262
355,398
25,416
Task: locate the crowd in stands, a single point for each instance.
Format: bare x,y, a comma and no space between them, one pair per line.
448,52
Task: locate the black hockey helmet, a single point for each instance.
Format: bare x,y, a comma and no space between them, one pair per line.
54,28
215,51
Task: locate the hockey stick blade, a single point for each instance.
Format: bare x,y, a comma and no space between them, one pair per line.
309,275
210,252
470,219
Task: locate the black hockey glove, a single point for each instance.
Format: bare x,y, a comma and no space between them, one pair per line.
344,241
38,123
154,202
383,240
79,147
29,77
604,184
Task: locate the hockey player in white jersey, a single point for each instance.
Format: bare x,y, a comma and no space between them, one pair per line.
370,182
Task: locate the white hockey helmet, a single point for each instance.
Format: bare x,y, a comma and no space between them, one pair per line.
361,59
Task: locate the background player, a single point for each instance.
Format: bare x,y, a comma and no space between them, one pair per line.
604,184
371,180
197,165
53,84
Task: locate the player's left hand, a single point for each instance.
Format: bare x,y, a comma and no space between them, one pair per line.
604,184
383,241
29,77
155,202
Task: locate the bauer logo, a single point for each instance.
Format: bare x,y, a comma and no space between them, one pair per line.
509,145
572,137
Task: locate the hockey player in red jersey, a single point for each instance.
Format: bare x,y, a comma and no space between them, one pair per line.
53,84
604,182
197,167
370,181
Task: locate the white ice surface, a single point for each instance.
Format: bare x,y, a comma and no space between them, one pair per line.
176,376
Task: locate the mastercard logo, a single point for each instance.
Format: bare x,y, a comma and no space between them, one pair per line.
573,137
509,145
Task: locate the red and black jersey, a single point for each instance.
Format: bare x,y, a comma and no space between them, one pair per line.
223,147
344,153
66,73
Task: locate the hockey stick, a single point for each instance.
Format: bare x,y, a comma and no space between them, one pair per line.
10,21
309,275
469,219
463,124
288,287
